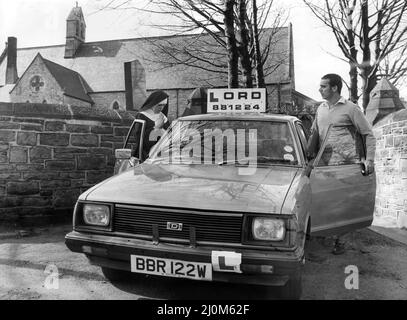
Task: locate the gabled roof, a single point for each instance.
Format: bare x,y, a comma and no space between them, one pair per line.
101,63
71,82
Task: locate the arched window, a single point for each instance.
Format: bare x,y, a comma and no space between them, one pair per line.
115,105
44,101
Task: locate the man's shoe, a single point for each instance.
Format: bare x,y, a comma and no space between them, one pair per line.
339,248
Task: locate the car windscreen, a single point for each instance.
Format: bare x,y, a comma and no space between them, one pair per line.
227,142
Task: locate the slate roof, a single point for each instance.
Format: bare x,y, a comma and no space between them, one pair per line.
101,63
71,82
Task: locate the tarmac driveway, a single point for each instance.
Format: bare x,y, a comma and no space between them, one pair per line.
38,265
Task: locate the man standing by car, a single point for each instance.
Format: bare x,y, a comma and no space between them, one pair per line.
337,110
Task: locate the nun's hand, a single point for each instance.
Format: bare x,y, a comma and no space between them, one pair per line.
160,122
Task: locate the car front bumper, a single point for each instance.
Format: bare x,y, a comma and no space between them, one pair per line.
259,267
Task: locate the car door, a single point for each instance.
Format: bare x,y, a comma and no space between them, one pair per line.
132,139
342,198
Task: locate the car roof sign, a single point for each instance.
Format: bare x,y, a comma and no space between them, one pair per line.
238,100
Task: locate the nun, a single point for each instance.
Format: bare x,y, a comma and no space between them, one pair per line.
154,112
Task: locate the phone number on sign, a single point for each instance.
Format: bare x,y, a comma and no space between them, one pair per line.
235,107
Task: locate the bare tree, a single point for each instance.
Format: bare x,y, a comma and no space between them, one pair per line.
211,32
233,78
256,45
243,46
377,29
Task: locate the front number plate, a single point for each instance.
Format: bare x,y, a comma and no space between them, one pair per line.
171,268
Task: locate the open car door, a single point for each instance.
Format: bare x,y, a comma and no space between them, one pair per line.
342,197
123,155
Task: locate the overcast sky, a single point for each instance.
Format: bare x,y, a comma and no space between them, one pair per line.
42,22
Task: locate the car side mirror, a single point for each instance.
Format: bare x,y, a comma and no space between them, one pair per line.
122,160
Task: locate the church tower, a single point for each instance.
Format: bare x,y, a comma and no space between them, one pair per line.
75,31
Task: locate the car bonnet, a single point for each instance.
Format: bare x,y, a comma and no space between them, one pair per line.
205,187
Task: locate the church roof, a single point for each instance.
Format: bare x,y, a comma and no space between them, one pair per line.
101,63
70,81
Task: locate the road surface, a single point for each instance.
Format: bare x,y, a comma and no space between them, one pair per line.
28,266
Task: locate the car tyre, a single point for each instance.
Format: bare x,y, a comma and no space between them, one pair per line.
115,275
293,288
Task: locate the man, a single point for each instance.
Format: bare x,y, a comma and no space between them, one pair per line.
339,111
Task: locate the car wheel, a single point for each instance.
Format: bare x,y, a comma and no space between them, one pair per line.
115,275
293,288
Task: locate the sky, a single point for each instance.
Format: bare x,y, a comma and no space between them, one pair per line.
42,22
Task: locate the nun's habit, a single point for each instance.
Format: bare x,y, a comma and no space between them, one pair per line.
153,121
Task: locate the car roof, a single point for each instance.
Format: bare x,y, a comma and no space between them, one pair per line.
240,116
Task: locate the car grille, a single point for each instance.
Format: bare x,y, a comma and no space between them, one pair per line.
209,226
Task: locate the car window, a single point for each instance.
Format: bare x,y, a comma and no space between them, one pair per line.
342,147
228,142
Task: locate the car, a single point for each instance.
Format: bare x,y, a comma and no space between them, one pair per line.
224,197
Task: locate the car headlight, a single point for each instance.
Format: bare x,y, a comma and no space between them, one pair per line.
268,229
96,214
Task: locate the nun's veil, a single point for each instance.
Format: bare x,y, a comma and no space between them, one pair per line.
154,98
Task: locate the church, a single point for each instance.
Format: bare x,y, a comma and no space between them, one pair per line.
119,74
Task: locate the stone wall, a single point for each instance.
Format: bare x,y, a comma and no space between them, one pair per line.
49,154
391,169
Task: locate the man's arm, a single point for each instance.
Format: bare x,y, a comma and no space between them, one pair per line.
313,141
365,129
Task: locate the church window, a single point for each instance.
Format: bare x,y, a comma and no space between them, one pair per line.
36,83
115,105
44,101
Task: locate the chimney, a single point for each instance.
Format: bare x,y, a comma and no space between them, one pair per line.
11,71
135,84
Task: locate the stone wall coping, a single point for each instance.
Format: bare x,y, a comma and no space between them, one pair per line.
397,116
55,111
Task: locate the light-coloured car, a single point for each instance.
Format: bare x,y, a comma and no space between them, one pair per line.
224,197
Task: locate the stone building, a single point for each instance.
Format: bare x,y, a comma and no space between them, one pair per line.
47,82
118,74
